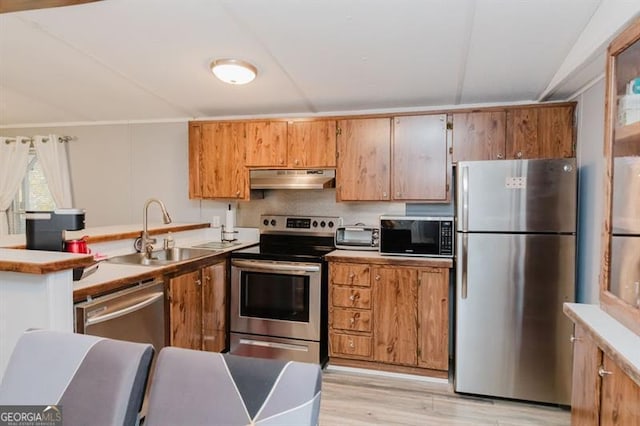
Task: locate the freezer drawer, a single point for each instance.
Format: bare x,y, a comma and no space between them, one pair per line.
512,339
625,268
517,196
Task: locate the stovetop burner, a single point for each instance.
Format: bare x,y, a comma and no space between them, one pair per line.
293,238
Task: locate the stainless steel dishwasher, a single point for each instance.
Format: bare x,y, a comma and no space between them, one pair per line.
135,314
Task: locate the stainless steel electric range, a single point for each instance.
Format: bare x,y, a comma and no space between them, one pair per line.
279,290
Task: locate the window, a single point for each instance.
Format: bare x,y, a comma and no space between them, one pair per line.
33,194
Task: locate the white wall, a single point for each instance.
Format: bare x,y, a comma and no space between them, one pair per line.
591,189
116,167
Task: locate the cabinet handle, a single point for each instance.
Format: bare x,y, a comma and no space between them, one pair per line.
354,297
296,161
281,161
602,372
519,154
198,282
208,278
351,345
574,339
377,277
237,193
384,195
499,156
398,194
351,275
352,320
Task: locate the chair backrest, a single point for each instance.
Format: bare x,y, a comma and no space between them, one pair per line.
204,388
96,380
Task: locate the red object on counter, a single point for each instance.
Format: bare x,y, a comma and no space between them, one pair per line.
77,246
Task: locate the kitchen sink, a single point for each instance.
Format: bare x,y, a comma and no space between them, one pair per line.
162,257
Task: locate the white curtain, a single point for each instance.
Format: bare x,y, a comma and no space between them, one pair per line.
52,155
14,158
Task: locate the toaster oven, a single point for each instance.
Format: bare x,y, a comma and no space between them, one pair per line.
357,237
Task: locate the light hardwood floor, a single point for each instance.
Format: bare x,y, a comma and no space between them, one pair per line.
350,399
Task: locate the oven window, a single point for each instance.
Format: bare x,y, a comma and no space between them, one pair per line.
274,296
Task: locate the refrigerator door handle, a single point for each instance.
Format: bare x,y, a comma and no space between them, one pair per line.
465,198
464,266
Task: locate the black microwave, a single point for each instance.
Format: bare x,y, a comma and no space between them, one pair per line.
417,236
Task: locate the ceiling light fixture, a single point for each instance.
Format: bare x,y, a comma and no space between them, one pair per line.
233,71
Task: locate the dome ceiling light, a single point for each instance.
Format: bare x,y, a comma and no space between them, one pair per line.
234,71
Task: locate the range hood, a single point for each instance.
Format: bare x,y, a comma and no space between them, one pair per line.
292,179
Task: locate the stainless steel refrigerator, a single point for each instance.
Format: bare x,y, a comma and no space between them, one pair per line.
625,223
516,244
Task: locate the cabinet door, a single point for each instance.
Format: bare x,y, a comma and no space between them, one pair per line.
420,161
540,132
214,304
185,312
312,143
395,315
479,135
222,160
433,318
266,144
364,159
195,146
585,388
620,397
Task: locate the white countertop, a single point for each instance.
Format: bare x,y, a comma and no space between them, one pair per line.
617,341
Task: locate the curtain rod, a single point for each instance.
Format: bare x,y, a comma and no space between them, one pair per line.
61,139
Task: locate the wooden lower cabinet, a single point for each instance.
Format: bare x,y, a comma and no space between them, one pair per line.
389,317
602,394
197,308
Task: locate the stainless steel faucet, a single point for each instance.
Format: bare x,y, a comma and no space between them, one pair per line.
147,242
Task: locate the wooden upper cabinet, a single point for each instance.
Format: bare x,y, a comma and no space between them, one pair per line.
223,174
195,185
420,169
311,144
266,144
479,135
364,159
540,132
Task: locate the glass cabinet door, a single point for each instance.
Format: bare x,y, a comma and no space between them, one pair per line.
620,294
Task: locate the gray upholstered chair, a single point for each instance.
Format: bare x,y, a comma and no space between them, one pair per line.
97,381
204,388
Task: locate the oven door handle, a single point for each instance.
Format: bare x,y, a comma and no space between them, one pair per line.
274,345
284,267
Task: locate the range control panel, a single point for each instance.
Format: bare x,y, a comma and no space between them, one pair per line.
300,224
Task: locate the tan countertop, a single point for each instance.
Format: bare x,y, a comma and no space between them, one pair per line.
40,262
376,258
618,342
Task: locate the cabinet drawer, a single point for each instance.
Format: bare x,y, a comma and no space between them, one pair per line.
346,344
350,274
350,297
346,319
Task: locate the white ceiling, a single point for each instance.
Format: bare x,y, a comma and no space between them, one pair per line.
148,59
